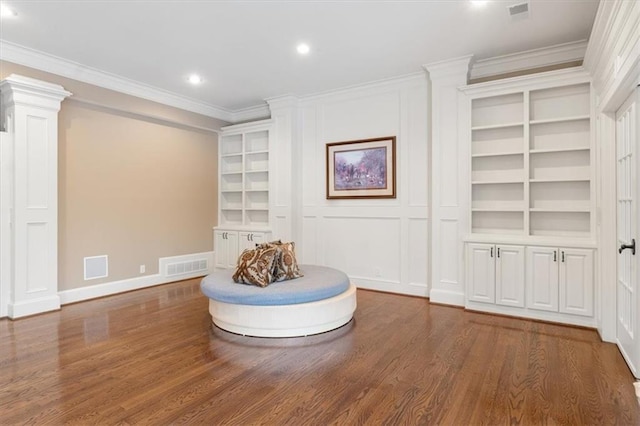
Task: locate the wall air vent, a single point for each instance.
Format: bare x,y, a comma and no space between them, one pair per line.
96,267
520,10
187,267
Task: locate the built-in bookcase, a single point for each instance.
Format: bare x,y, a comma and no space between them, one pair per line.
244,175
531,161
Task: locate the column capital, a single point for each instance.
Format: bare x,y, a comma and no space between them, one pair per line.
26,91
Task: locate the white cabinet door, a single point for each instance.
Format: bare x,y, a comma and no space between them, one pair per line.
220,249
249,240
576,281
481,272
542,278
509,275
226,248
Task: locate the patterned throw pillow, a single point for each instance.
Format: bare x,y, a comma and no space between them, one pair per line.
286,267
256,266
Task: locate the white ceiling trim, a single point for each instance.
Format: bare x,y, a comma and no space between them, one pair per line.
546,56
45,62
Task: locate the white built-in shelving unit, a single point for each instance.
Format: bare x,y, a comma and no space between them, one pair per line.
531,163
531,228
244,176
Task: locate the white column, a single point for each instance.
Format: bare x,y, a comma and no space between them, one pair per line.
449,180
30,114
285,180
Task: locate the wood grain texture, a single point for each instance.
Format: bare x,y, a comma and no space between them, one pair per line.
152,357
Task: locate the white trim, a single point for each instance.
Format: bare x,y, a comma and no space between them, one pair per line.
43,61
446,297
535,58
257,112
562,77
377,84
121,286
33,306
108,289
388,286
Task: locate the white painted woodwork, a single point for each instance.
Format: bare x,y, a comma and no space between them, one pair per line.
628,194
509,275
449,152
382,244
245,173
229,244
225,248
532,162
481,273
286,171
6,191
246,196
542,278
613,60
30,112
576,282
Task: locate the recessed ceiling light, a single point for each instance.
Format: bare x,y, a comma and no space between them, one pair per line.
303,48
6,11
479,3
195,79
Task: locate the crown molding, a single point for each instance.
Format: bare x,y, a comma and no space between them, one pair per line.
449,68
530,59
257,112
21,55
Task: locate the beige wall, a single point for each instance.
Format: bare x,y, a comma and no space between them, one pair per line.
133,188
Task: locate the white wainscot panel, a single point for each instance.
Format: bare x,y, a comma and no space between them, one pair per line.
448,256
418,148
38,273
360,118
37,162
449,160
363,247
308,252
418,251
312,166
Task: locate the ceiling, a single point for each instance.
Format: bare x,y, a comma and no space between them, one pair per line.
246,50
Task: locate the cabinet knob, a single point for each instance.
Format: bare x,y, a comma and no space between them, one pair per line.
498,251
555,256
491,251
562,256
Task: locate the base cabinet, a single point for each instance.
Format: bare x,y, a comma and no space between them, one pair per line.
496,274
560,280
548,283
228,244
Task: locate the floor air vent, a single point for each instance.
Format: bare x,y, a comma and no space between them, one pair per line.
187,267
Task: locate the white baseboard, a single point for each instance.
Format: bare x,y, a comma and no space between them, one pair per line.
395,287
121,286
32,307
446,297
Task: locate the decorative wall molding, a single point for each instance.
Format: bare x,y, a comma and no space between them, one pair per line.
30,111
613,60
448,174
121,286
45,62
530,59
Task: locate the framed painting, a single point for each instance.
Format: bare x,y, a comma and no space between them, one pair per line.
362,169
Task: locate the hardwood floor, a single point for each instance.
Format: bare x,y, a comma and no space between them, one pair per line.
152,357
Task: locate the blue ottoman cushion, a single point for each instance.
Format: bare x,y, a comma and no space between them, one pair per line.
318,282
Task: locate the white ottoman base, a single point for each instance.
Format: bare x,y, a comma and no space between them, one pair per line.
301,319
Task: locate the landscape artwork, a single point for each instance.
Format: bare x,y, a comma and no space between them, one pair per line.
361,169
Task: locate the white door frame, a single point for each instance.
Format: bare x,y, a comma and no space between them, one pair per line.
627,226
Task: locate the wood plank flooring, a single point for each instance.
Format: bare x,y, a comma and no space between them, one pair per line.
152,357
